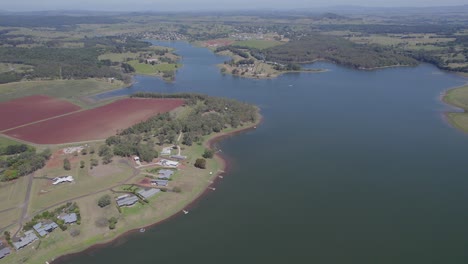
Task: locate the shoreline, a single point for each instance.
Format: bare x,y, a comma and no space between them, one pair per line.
224,165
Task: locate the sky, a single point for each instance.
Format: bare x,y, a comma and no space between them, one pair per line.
199,5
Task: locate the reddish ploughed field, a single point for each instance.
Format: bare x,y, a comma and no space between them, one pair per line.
32,108
97,123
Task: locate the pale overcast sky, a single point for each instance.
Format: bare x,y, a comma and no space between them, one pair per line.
185,5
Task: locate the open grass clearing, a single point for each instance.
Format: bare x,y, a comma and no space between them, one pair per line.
148,69
9,217
4,141
458,97
459,120
72,90
46,194
12,193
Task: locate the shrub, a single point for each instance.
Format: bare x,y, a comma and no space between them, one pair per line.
200,163
112,222
208,154
104,201
66,164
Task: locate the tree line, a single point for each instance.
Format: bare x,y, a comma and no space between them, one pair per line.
20,160
206,115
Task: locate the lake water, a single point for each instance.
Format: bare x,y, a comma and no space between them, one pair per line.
348,167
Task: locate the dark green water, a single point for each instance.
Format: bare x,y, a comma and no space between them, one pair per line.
348,167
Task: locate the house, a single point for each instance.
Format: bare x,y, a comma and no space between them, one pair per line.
27,239
4,251
168,163
166,151
136,158
59,180
44,229
178,157
159,182
126,200
165,174
68,218
147,193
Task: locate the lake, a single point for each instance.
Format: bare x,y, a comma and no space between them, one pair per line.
347,167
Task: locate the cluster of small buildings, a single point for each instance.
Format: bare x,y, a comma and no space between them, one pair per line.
42,228
130,199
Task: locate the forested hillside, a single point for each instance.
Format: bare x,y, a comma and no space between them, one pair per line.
338,50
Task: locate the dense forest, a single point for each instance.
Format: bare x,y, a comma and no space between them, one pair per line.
20,160
206,115
338,50
51,62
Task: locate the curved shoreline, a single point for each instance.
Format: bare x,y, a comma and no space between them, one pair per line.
225,165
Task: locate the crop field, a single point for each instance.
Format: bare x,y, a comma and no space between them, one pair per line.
148,69
94,124
32,108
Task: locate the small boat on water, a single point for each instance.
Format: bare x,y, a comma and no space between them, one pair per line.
185,211
142,230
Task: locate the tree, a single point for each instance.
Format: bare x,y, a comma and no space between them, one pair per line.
82,164
66,164
200,163
107,158
103,150
104,201
112,222
84,152
94,163
208,154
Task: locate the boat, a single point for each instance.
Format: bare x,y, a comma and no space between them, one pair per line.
142,230
185,211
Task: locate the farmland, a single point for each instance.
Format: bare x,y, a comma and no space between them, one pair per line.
32,108
71,90
458,97
94,124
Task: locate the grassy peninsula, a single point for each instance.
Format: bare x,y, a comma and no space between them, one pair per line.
105,170
458,97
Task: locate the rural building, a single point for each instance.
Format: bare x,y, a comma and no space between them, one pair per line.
44,229
178,157
136,158
4,251
165,174
168,163
68,218
159,182
25,240
147,193
166,151
59,180
126,200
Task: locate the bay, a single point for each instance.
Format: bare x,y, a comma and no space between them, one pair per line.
347,167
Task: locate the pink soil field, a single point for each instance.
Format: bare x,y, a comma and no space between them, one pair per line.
31,109
93,124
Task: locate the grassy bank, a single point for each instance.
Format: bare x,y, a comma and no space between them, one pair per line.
458,97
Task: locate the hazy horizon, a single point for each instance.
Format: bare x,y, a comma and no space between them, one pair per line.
211,5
